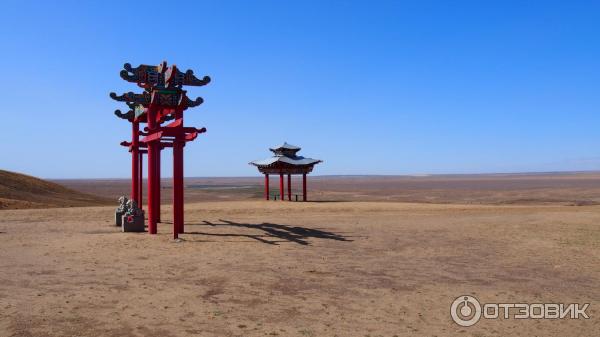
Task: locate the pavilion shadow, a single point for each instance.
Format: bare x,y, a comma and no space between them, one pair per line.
272,233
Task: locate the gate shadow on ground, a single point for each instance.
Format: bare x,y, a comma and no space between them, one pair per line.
272,234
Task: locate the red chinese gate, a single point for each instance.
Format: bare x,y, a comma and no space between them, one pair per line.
162,100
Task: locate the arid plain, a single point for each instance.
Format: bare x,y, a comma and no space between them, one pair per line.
370,256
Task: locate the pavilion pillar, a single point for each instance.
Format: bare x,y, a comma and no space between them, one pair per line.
177,188
304,187
152,174
266,186
135,182
289,187
281,187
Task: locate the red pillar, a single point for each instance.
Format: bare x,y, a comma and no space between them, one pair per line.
158,150
304,187
266,186
135,136
141,181
281,189
289,187
151,188
152,174
178,226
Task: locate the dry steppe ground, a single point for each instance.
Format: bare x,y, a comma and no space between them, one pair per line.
257,268
371,256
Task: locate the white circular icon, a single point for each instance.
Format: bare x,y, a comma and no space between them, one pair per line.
465,310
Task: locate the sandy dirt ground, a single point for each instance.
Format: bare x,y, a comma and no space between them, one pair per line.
255,268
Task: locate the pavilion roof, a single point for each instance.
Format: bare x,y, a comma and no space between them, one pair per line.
285,156
285,146
296,161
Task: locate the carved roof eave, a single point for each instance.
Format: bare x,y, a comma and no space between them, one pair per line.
129,115
161,75
188,103
143,74
145,99
132,98
175,78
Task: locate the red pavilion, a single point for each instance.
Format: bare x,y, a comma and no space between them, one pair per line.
285,162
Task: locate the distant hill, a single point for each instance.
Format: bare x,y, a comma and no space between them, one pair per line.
19,191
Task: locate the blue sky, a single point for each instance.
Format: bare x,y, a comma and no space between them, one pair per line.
370,87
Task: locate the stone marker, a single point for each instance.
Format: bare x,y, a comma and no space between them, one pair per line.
120,211
133,219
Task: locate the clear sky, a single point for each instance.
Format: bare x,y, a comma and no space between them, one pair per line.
370,87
